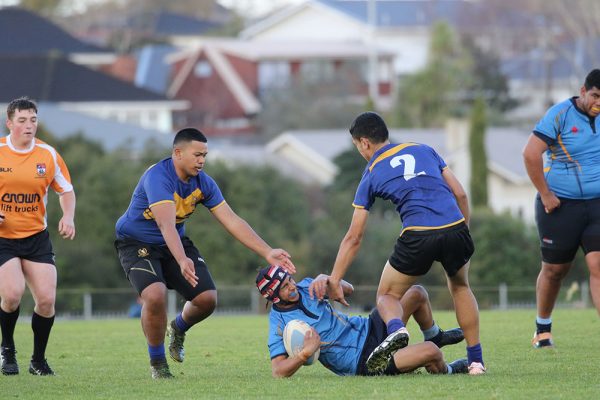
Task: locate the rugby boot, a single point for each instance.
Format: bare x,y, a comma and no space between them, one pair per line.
381,356
176,339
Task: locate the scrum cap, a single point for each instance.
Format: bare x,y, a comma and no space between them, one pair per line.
269,280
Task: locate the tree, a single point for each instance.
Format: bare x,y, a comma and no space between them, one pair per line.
477,152
430,96
44,7
305,105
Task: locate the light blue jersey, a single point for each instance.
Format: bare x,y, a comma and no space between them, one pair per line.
410,176
160,184
342,337
572,162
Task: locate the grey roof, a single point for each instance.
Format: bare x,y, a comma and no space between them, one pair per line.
56,79
110,134
24,32
571,58
164,23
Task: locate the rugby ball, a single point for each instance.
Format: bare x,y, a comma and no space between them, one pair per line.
293,339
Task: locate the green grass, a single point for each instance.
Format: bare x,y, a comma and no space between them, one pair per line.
227,357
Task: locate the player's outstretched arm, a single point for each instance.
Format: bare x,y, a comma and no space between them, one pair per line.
347,251
320,284
283,366
242,231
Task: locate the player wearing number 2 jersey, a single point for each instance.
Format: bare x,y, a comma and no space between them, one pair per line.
434,210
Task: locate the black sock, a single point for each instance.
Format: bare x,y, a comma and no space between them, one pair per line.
8,321
41,327
541,328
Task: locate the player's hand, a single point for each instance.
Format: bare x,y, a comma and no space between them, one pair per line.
312,342
550,202
66,228
188,270
281,258
335,292
318,287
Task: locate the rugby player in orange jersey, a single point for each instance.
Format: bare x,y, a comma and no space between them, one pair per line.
28,167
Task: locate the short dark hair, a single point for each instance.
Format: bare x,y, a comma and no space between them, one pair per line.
187,135
369,125
22,103
592,79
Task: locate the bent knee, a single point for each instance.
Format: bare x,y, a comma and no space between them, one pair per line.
207,301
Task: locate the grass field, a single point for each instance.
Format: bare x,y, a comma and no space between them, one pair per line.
227,358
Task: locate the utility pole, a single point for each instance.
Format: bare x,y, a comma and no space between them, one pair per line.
371,44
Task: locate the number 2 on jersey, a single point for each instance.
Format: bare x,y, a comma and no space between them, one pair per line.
409,165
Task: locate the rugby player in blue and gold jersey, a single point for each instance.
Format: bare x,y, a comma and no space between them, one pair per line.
562,158
156,255
345,341
434,210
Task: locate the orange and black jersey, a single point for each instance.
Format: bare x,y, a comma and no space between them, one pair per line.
25,176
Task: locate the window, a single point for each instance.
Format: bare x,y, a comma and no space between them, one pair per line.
273,74
203,69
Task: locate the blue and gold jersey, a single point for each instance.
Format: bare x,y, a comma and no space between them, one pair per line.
342,337
160,184
410,176
572,162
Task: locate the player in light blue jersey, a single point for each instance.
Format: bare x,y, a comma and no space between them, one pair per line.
562,158
156,255
434,210
345,342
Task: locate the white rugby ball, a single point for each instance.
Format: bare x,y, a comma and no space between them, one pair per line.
293,339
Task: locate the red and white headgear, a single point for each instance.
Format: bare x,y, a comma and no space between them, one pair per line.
269,280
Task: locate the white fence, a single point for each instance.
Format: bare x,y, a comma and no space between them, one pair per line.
121,303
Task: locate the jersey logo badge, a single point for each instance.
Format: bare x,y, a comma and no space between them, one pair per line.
41,169
143,252
574,129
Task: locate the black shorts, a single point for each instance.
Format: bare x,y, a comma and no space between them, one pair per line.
377,333
36,248
415,251
145,264
576,223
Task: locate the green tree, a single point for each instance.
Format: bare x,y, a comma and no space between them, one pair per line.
430,96
478,155
44,7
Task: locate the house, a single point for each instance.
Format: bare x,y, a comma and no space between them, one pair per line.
225,80
111,135
73,87
399,26
542,77
24,33
312,153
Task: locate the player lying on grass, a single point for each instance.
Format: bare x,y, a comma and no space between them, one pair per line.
345,341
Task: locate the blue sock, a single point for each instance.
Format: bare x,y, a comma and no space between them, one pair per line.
431,332
474,354
181,324
543,324
394,324
156,352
